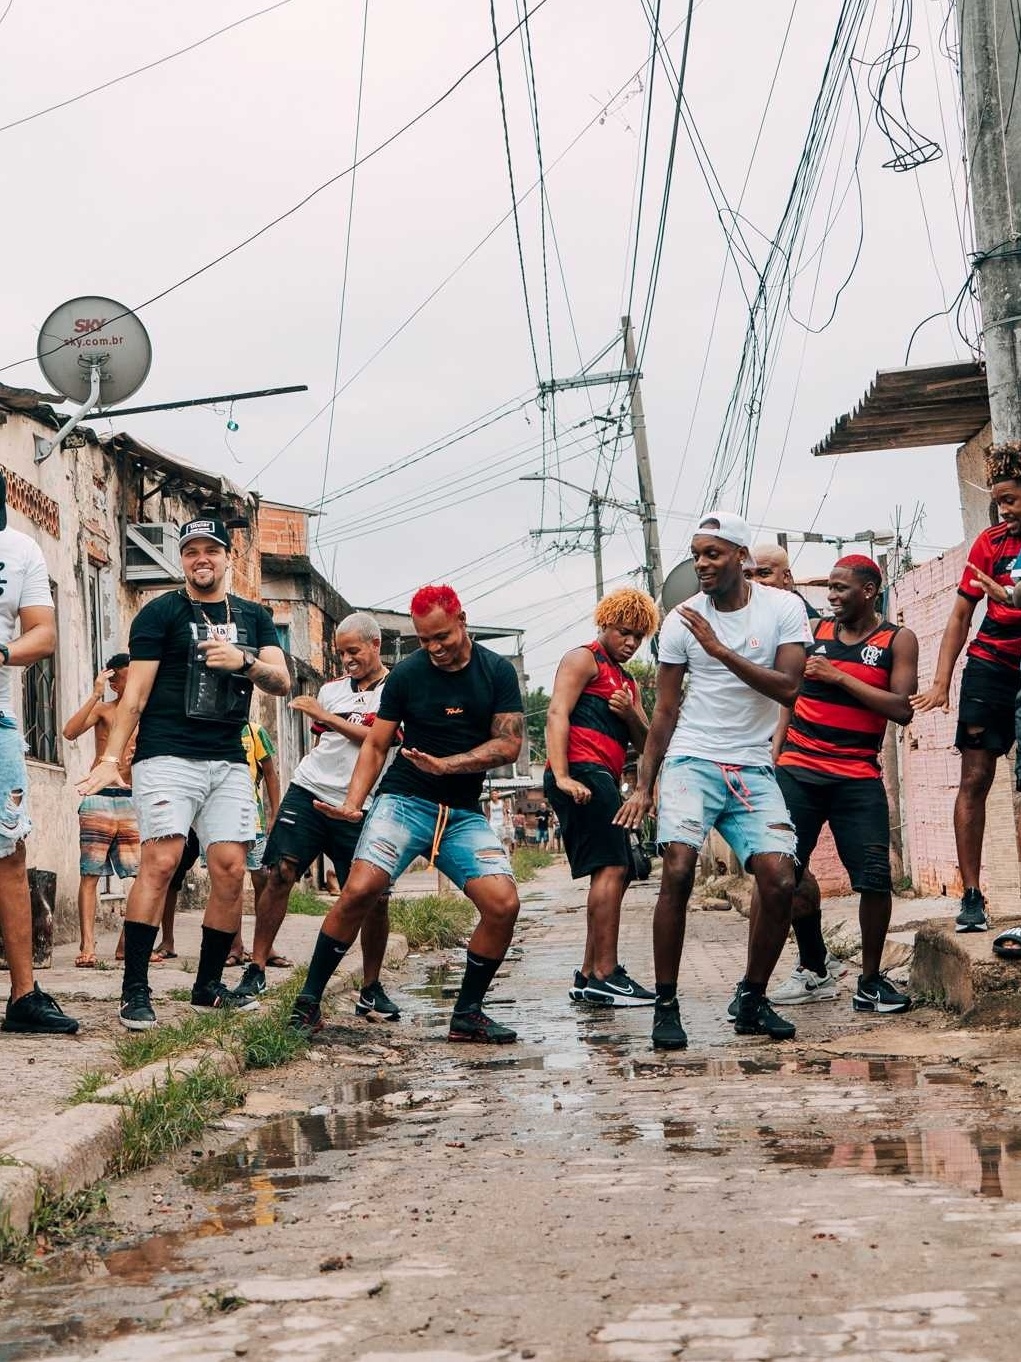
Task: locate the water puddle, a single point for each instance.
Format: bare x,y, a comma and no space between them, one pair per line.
895,1072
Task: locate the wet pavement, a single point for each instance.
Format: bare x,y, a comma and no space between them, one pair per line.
854,1194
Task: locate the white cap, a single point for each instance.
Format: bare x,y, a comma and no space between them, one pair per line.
733,528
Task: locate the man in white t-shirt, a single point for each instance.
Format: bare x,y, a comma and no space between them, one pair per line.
345,711
25,599
742,647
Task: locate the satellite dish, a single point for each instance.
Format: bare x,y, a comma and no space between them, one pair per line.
94,333
681,582
94,352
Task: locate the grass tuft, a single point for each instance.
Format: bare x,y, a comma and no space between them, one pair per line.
139,1048
161,1120
307,904
527,860
88,1085
432,922
264,1038
50,1225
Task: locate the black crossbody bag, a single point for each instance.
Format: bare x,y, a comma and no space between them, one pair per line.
210,695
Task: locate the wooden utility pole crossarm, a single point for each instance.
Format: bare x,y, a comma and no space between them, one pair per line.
650,526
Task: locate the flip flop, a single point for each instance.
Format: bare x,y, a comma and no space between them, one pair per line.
1008,944
279,962
86,960
159,956
234,961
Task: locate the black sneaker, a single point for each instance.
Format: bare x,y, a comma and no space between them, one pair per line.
373,1002
476,1026
972,917
136,1009
877,994
576,992
306,1016
755,1017
732,1005
667,1031
617,990
37,1014
217,997
253,982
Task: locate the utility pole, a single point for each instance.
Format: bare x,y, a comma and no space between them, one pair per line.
989,64
596,504
650,526
597,541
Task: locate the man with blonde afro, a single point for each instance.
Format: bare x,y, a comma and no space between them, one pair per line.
594,714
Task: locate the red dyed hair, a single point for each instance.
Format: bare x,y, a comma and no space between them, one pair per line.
427,598
864,566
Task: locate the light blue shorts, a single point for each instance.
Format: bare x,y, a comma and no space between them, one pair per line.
400,827
743,803
173,794
15,824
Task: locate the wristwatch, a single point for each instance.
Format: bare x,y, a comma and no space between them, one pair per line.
5,653
249,662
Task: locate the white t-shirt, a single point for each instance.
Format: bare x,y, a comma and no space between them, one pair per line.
24,580
498,820
722,719
326,771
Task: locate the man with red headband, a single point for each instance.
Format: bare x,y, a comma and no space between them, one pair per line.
860,674
460,709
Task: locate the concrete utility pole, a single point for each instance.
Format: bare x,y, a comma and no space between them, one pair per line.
992,117
596,504
650,526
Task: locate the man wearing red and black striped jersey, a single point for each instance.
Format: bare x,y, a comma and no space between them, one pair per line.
860,674
989,685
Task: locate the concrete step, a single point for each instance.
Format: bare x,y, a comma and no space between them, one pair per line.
959,971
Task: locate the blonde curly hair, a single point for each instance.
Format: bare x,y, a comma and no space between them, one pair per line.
628,608
1003,462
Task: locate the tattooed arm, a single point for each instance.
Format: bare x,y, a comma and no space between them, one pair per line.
501,748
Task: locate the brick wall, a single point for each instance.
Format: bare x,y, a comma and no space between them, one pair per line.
282,529
930,766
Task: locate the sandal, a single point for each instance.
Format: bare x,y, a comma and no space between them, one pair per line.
1008,944
234,961
279,962
159,955
86,960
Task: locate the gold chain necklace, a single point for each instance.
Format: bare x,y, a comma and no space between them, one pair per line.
211,623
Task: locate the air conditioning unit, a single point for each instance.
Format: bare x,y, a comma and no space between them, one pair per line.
152,555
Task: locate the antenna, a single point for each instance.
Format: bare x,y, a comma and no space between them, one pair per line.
93,351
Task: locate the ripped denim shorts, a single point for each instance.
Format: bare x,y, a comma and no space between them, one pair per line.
743,803
15,824
459,842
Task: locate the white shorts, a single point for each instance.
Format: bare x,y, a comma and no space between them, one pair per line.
173,794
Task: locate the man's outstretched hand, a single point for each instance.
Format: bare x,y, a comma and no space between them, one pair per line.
344,813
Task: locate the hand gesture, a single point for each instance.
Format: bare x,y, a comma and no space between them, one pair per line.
634,810
702,629
620,703
432,766
308,704
820,669
221,656
581,794
101,777
936,697
996,591
344,813
99,688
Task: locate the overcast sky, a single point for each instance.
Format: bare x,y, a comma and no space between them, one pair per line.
131,189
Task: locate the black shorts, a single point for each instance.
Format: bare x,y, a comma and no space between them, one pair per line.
590,838
300,833
859,819
989,694
189,856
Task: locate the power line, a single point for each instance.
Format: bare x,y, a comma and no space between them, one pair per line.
525,36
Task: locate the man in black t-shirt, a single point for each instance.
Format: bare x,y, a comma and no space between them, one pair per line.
461,712
195,655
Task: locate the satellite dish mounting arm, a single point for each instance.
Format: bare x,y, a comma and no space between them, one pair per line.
44,447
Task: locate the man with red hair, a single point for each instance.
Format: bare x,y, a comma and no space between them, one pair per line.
860,674
460,709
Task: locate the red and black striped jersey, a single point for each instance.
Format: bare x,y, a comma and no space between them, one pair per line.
597,734
999,635
832,735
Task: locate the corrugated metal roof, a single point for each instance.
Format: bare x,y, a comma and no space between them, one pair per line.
932,404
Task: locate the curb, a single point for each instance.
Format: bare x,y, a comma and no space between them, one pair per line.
74,1148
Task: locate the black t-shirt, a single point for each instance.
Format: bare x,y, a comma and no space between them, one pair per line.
444,714
161,632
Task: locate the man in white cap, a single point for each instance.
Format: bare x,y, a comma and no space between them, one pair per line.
742,647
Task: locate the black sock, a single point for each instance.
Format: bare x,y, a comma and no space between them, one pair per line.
139,939
666,993
811,946
478,975
754,990
328,954
212,956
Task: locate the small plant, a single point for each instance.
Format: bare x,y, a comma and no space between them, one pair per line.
140,1048
51,1223
88,1085
432,922
161,1120
307,904
525,861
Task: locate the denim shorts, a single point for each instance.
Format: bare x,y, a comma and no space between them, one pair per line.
108,834
15,824
400,827
743,803
173,794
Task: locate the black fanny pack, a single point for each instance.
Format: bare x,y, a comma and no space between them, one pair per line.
215,696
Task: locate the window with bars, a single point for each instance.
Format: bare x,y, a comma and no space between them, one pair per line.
39,700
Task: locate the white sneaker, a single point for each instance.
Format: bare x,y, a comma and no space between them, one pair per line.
835,967
805,987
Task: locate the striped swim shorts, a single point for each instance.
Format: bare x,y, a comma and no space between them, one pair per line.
108,830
